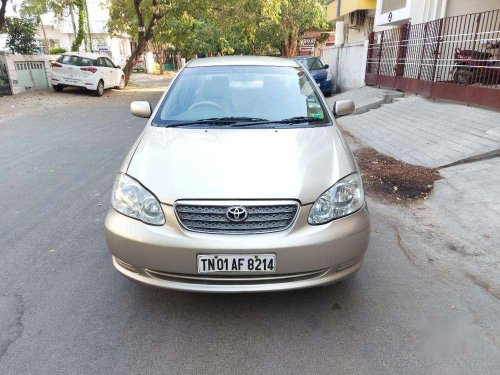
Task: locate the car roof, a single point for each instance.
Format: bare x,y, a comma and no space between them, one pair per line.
305,57
242,60
88,55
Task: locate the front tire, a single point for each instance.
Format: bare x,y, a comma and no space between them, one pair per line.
100,88
58,88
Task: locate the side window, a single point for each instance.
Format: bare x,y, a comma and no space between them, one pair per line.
82,61
100,62
109,63
316,65
67,59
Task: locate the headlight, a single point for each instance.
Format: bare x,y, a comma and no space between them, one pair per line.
132,199
329,76
343,198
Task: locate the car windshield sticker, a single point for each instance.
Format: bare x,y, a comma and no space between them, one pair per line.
314,108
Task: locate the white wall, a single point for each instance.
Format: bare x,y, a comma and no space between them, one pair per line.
9,61
418,11
458,7
345,32
347,64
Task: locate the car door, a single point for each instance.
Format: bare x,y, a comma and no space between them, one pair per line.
114,72
104,71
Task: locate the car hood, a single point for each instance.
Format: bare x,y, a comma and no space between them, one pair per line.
237,164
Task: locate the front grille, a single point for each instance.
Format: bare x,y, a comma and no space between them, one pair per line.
235,279
212,218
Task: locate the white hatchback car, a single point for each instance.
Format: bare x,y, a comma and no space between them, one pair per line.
86,70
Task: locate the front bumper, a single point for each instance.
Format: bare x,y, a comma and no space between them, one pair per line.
306,255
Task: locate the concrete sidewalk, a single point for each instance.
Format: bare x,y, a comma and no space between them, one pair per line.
422,132
366,98
461,217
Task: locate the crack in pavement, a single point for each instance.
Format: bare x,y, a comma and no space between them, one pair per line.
484,285
11,324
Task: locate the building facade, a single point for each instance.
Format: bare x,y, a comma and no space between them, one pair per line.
354,19
60,31
392,13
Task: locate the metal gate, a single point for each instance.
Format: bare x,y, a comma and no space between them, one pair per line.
4,81
31,74
455,58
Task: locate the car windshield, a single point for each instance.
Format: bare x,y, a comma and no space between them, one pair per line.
240,95
315,64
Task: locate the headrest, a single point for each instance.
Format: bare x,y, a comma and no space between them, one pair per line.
215,88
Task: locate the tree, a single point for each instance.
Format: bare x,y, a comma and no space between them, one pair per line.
21,35
80,35
215,27
137,18
35,8
3,6
298,16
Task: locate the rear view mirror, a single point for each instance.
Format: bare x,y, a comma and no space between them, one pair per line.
343,107
326,66
141,109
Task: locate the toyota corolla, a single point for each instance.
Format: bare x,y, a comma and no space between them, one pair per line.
240,182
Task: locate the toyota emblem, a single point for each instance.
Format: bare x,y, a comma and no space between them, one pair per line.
236,214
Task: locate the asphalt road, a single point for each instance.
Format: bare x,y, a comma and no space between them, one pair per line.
65,310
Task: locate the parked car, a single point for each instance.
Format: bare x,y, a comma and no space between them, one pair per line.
240,182
86,70
320,73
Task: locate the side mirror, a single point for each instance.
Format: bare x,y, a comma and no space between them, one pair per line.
343,107
326,66
141,109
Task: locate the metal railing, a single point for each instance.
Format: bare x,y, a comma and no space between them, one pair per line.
461,50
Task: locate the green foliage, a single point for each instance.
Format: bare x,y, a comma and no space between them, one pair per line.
21,35
34,8
57,51
157,69
81,26
212,27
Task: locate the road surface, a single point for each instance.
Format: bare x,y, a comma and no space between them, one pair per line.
65,310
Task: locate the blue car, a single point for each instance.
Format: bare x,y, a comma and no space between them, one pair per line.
319,72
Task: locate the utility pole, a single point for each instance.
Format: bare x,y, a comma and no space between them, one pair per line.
88,25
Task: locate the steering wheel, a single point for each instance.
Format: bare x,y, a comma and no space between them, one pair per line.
205,103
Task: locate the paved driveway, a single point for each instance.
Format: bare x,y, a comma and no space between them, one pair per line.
65,310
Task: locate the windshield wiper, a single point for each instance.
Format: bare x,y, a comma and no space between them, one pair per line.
300,119
291,120
218,120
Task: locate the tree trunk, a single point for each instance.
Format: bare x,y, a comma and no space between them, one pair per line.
46,41
132,60
144,37
75,30
2,14
162,66
291,42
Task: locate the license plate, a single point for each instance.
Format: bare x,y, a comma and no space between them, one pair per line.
259,263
